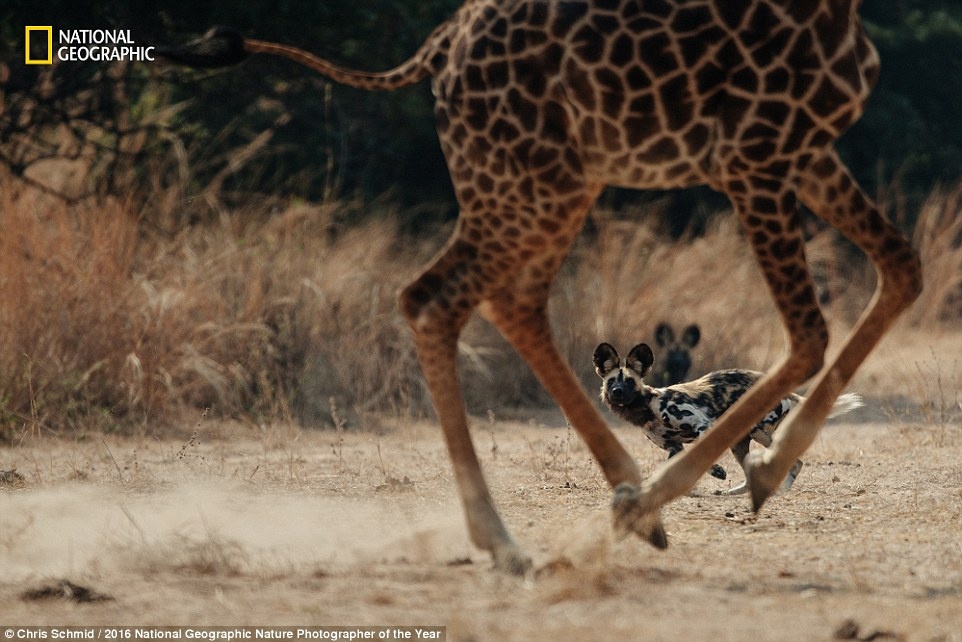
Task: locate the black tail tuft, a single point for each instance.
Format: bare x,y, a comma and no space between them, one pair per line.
219,47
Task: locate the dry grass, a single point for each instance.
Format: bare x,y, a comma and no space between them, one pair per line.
114,325
289,314
938,236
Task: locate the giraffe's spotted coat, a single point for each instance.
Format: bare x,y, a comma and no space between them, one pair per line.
542,103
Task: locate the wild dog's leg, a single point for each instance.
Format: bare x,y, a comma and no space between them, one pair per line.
766,205
828,190
740,452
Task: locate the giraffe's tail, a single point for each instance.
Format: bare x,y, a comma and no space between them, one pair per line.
846,402
223,46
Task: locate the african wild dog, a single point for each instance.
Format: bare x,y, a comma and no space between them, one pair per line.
674,360
675,415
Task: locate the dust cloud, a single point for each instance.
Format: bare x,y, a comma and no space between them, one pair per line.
217,528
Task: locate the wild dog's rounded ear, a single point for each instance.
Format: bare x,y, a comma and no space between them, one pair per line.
640,359
691,336
664,334
605,359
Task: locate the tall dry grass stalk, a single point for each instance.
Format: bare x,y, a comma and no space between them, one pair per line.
65,291
291,313
938,236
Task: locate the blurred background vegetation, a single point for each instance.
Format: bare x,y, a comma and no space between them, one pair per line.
273,128
181,240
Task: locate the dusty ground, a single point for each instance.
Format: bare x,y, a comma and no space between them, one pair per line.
271,525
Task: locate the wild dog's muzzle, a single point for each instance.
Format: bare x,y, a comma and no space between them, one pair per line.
621,391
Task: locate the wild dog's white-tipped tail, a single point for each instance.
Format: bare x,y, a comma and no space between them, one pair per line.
846,403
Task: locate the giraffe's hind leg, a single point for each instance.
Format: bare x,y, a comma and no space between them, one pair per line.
437,304
765,203
508,272
828,190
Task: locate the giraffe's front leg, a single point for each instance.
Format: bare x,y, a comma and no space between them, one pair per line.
522,319
680,473
765,203
827,188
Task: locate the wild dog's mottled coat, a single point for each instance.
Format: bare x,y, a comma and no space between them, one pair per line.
678,414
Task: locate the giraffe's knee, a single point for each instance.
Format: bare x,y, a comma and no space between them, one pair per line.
415,298
901,270
432,307
809,361
809,345
446,293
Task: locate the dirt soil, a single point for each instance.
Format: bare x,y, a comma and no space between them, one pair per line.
247,525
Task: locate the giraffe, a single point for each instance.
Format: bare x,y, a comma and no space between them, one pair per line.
540,104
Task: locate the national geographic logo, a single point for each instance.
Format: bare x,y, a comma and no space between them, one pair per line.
97,45
38,33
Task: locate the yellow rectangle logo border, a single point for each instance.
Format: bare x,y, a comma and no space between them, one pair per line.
26,58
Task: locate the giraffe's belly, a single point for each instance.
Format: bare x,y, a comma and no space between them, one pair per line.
630,171
633,174
638,151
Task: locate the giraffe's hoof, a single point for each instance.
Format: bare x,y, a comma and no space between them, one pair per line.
633,515
510,559
762,480
718,472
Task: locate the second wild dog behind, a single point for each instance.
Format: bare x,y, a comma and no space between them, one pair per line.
678,414
674,359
